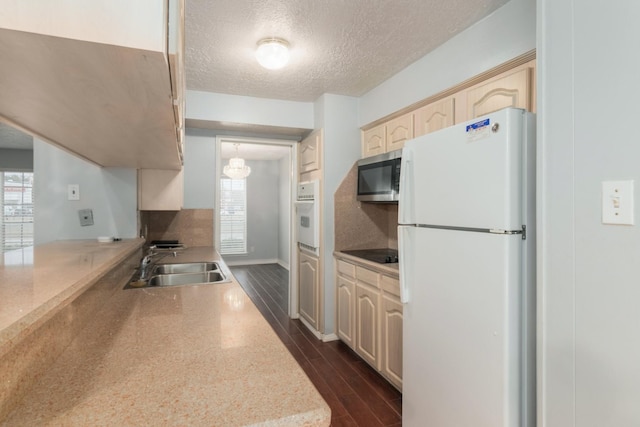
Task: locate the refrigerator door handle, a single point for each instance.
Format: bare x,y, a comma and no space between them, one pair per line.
405,198
405,260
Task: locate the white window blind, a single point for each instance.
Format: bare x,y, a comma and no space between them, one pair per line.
233,216
16,203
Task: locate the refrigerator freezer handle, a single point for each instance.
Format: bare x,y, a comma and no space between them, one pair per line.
405,199
404,261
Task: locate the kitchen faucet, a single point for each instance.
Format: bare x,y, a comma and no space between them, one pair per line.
146,261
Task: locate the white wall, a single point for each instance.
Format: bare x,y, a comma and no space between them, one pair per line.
508,32
589,293
110,192
338,117
16,160
199,170
284,216
249,110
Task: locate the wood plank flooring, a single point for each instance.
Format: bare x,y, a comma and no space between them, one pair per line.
356,393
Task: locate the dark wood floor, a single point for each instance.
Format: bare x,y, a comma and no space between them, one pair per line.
357,394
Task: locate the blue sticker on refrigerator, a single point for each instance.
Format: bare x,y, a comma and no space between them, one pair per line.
478,130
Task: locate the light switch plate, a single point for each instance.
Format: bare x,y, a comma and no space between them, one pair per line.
617,202
73,192
86,217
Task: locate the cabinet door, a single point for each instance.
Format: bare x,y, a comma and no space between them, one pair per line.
373,141
367,329
391,342
511,90
160,190
346,309
310,152
432,117
398,131
308,292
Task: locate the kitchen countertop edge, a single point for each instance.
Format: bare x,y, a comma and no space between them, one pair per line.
390,269
22,326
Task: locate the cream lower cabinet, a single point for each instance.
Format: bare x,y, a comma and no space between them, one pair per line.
369,317
367,324
391,342
346,310
309,292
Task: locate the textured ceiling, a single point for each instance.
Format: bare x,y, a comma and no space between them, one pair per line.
344,47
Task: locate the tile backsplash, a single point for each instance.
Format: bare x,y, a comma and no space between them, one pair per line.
193,227
362,225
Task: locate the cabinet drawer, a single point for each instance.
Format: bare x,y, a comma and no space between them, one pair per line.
346,269
367,276
390,284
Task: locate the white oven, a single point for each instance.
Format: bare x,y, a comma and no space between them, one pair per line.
308,216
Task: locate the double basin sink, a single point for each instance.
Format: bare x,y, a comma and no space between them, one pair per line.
189,273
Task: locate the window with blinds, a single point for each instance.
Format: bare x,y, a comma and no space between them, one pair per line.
16,204
233,216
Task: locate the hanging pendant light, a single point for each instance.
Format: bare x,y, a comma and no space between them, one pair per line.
236,169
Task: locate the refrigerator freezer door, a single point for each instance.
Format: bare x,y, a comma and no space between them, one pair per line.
461,354
468,175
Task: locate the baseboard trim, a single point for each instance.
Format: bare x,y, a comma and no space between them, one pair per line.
311,328
320,336
283,264
330,337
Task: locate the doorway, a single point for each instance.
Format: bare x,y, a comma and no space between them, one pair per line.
254,215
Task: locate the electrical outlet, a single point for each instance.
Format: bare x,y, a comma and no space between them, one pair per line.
86,217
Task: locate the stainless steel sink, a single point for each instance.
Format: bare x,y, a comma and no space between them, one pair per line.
186,273
189,267
186,278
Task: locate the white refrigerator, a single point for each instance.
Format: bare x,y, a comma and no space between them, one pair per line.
466,239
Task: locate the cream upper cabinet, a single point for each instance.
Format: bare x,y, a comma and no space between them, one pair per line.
398,131
515,87
102,79
160,190
309,294
511,89
374,141
435,116
310,149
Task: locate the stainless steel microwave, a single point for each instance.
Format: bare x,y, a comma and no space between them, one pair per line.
379,178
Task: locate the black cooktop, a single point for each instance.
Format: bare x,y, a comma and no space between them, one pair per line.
382,256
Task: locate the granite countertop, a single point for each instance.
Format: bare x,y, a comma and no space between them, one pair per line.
390,269
188,355
36,281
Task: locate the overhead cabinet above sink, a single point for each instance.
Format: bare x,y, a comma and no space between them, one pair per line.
103,80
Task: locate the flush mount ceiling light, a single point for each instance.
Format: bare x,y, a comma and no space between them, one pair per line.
272,53
236,169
